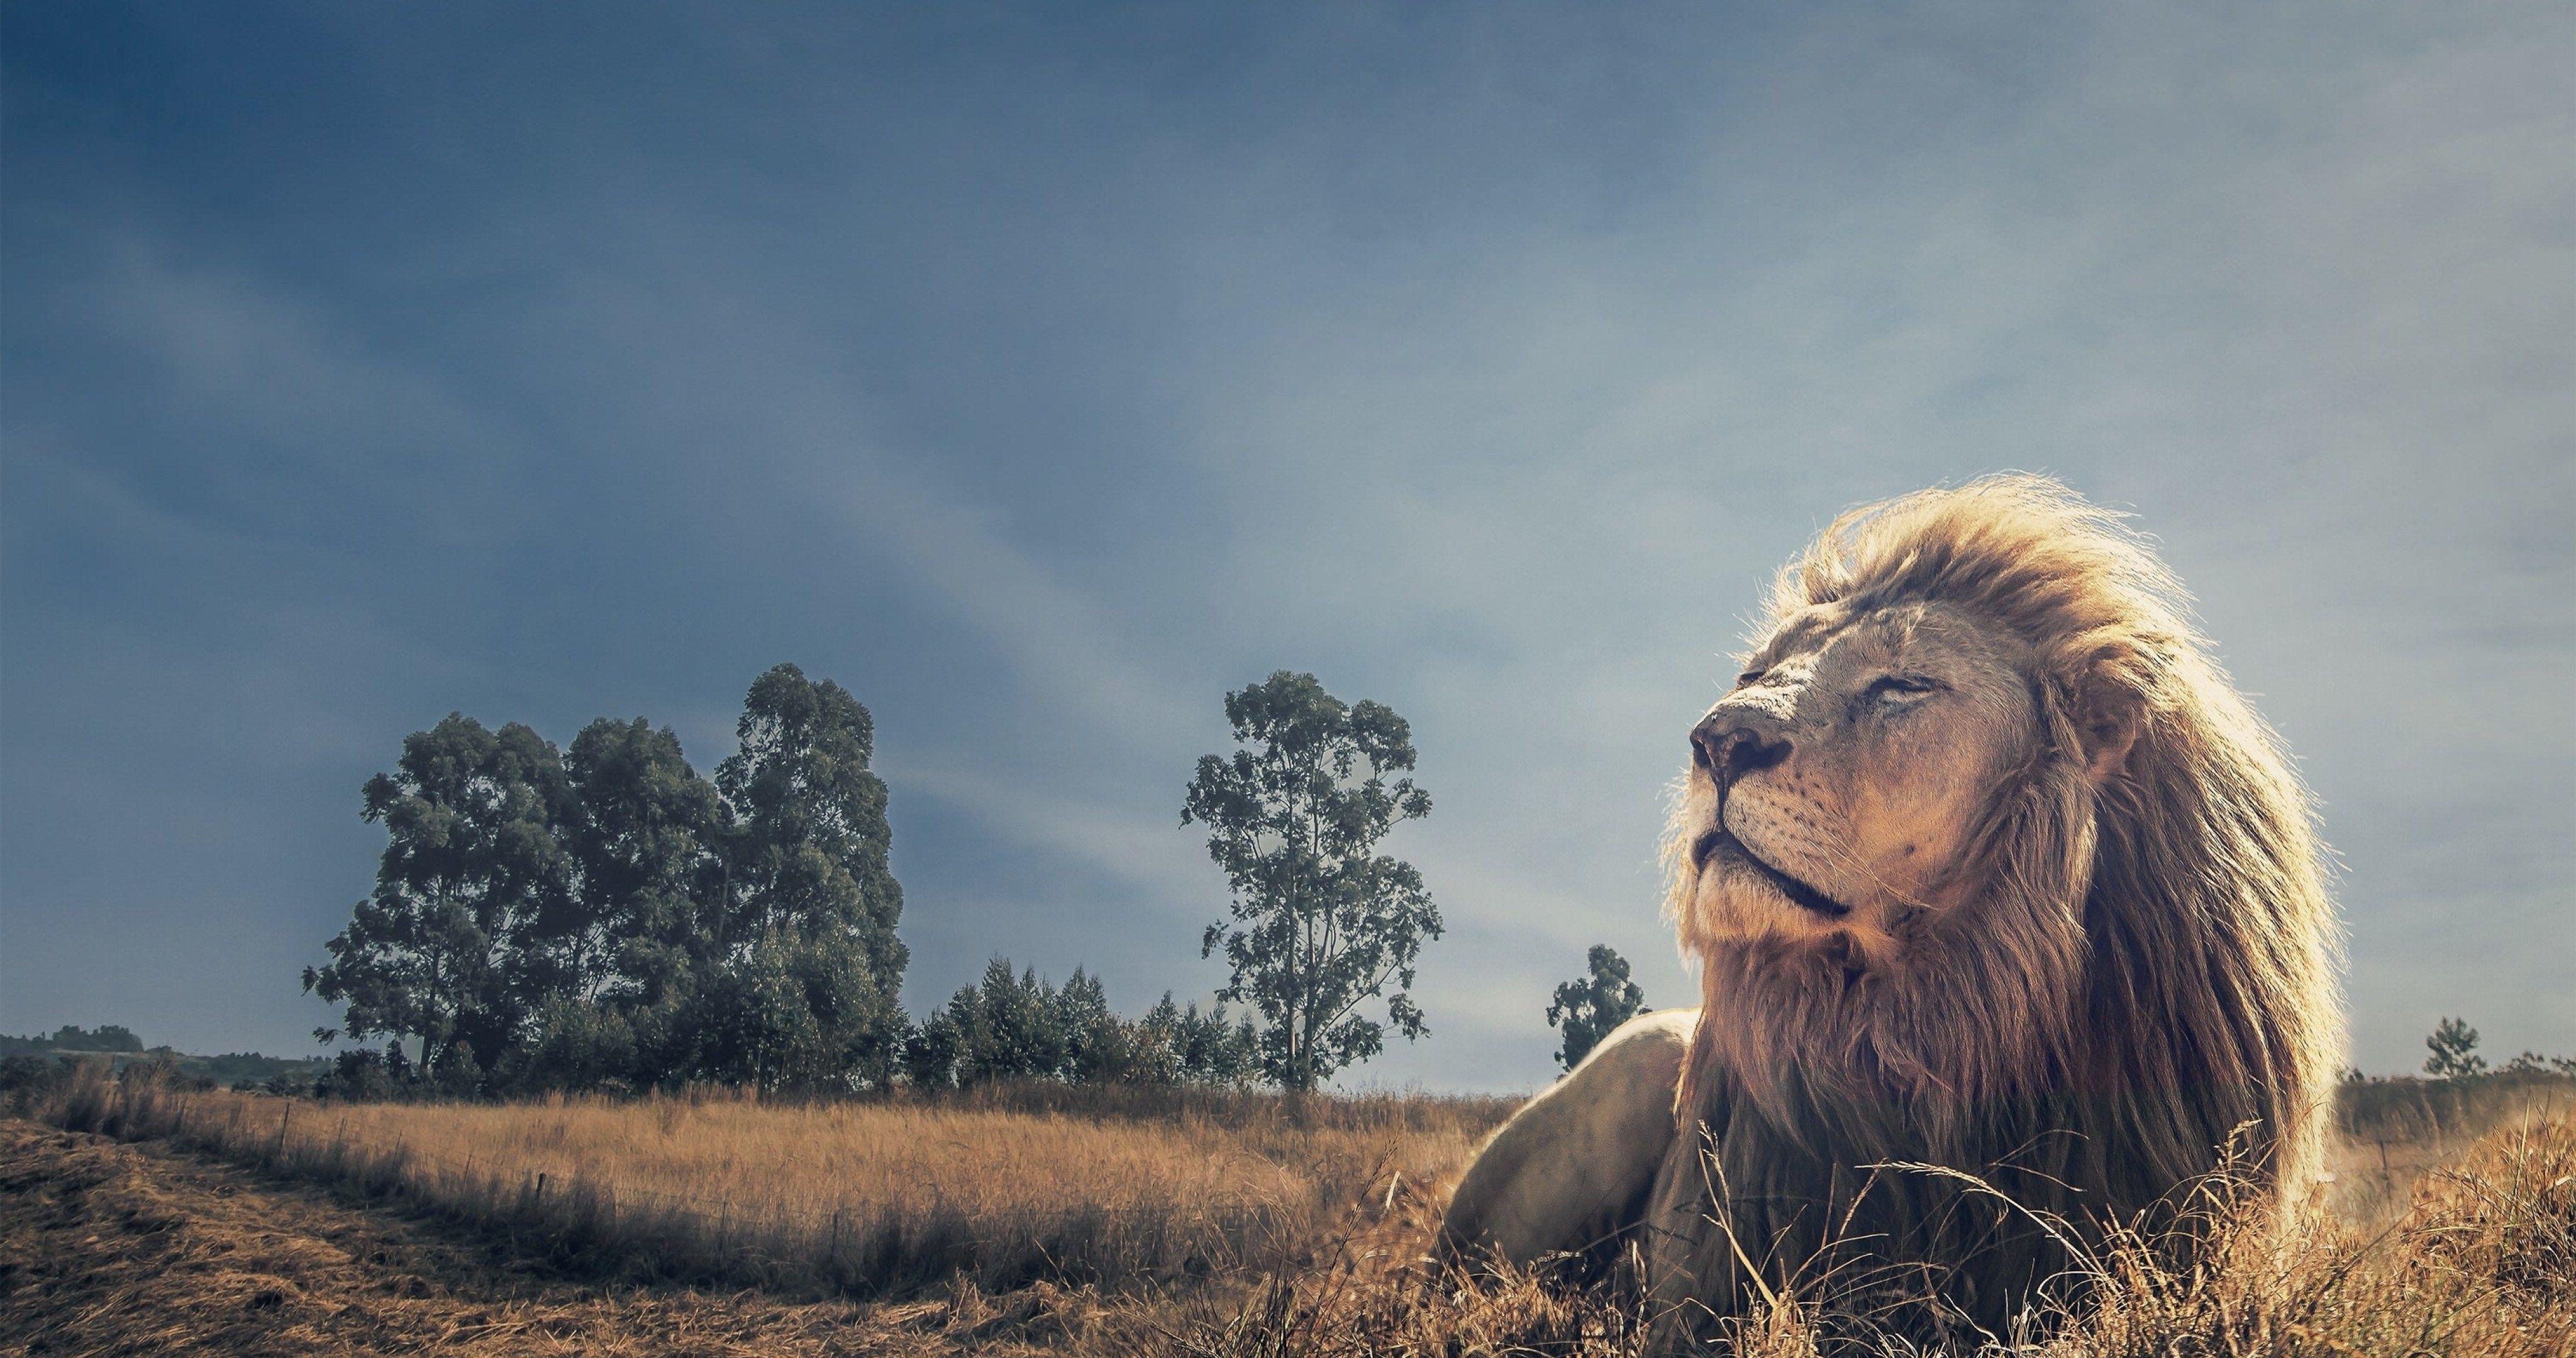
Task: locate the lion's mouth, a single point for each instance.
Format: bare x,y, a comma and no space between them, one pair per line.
1718,842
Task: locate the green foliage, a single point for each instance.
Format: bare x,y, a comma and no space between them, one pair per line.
447,949
579,1045
2454,1046
607,917
809,850
807,883
931,1052
1014,1025
1321,922
363,1075
292,1083
792,1013
1007,1027
1215,1049
645,840
1589,1007
232,1068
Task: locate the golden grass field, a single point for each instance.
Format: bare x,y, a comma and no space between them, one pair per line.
874,1198
1077,1222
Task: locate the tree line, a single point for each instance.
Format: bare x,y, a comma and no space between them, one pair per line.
71,1037
604,916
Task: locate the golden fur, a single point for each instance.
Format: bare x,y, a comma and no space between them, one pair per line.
2202,950
2131,962
2143,963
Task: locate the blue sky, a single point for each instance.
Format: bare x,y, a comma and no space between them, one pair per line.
1040,373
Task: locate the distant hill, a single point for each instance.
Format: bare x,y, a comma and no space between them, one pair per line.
118,1045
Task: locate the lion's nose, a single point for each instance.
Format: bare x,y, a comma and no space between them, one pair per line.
1729,747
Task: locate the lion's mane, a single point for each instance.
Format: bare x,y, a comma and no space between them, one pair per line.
2152,972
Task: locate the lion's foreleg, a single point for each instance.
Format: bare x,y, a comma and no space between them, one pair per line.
1571,1171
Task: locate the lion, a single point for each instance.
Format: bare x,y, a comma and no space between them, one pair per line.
1987,870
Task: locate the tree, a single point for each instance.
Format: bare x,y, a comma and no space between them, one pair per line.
1589,1007
1321,922
757,918
1014,1024
810,848
2454,1046
473,867
1214,1049
750,1021
931,1050
1148,1051
644,841
1010,1027
578,1045
1093,1040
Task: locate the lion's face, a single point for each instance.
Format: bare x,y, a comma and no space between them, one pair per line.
1833,793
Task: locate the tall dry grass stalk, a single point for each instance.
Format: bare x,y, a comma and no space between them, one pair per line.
868,1198
2478,1262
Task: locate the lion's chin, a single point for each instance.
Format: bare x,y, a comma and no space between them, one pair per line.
1744,913
1734,902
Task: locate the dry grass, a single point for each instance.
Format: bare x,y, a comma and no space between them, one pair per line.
2479,1261
864,1198
2474,1253
2396,1131
116,1249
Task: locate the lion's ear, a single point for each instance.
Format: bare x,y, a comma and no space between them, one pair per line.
2109,711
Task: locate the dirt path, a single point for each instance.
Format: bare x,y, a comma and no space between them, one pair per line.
107,1248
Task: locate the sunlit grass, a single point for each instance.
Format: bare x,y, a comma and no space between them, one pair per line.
1247,1226
859,1196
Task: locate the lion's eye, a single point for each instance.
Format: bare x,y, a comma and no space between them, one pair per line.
1748,677
1890,686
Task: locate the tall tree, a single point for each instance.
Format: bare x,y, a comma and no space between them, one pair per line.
473,866
1321,922
645,841
808,886
1588,1007
811,845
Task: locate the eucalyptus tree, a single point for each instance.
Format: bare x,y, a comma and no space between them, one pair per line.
474,865
808,890
647,841
1320,922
